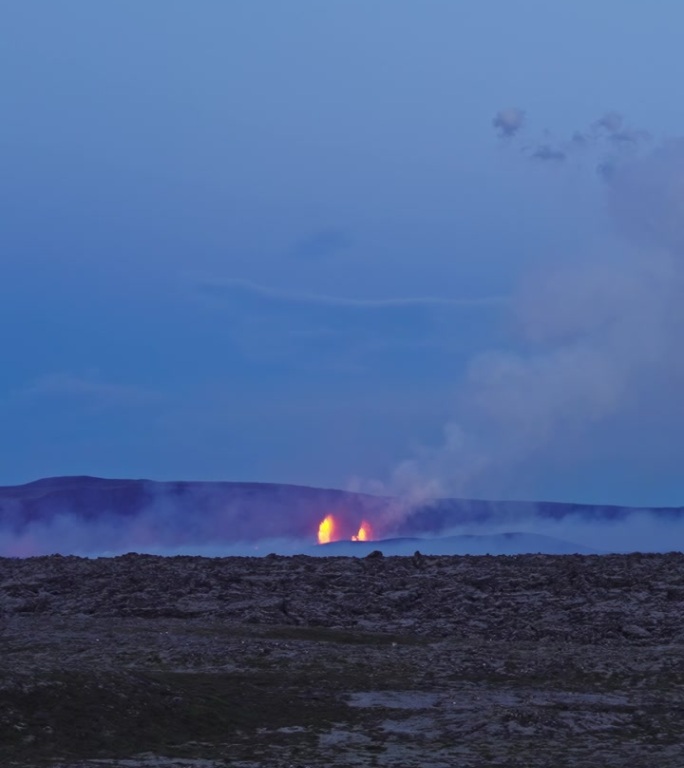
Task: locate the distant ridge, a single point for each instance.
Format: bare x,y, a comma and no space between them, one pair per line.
83,513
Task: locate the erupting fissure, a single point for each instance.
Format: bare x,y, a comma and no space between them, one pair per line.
328,530
365,533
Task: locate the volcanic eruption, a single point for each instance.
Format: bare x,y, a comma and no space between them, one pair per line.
365,532
329,530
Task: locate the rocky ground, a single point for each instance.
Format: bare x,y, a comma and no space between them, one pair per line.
382,661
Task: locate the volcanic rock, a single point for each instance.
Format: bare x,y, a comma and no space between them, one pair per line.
471,661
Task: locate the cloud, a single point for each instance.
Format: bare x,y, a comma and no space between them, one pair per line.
612,125
219,288
605,136
89,389
507,122
228,286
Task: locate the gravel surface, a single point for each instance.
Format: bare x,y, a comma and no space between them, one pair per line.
383,661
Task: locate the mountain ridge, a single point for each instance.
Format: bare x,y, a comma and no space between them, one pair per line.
80,514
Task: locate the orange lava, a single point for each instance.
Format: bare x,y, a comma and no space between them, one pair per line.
329,530
365,533
326,530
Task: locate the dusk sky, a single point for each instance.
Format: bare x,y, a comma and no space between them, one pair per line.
290,242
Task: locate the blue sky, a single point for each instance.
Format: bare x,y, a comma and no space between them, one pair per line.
276,241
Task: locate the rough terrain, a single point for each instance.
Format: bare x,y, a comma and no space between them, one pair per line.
298,661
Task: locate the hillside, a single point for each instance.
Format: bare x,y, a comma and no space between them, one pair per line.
87,515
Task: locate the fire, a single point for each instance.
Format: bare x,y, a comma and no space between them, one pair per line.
326,530
329,530
365,533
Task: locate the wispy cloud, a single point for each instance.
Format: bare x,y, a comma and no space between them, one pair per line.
608,135
318,329
218,288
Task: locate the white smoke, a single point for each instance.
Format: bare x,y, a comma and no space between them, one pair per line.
595,342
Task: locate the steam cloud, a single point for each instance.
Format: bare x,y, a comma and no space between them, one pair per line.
598,342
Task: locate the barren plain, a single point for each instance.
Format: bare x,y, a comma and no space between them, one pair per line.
378,661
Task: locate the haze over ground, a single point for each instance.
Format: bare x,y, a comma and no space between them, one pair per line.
286,243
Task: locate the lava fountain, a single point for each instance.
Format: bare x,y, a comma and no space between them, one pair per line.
365,532
327,530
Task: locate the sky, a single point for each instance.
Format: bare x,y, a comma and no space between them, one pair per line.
292,242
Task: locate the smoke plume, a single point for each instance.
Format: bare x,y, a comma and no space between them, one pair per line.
596,342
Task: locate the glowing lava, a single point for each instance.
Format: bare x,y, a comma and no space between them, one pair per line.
365,533
327,530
